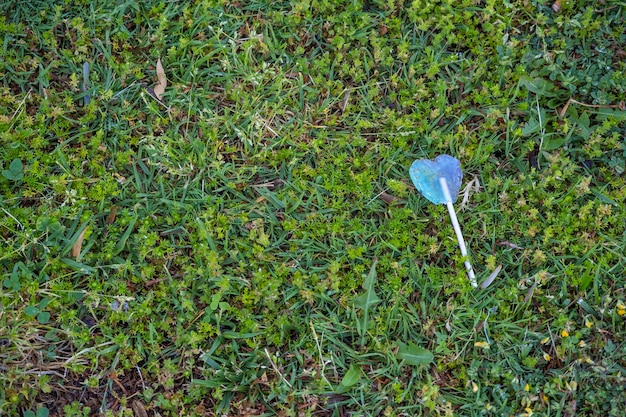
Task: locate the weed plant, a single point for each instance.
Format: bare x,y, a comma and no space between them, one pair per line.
250,243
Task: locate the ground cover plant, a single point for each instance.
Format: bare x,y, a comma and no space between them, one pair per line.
206,208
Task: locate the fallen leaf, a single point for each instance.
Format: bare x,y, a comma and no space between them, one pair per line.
271,185
110,220
346,98
159,87
112,214
391,199
78,245
153,282
509,244
138,409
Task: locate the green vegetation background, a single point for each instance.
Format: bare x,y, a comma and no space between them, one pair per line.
251,244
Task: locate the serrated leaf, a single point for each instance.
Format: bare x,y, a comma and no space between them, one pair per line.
538,86
414,355
531,126
367,300
552,144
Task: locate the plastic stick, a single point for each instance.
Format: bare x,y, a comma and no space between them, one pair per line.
457,230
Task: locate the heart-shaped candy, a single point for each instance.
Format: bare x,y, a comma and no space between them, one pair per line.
426,173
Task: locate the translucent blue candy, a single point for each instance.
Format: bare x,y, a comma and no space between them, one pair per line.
426,173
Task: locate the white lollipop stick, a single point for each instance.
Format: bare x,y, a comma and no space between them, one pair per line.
457,230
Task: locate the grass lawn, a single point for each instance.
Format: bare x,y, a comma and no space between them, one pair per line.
206,208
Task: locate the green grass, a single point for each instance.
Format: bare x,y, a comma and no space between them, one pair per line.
251,245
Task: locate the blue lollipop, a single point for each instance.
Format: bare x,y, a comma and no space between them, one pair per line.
440,181
426,173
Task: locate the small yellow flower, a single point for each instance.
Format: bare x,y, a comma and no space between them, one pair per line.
483,345
621,308
546,357
582,344
564,333
527,387
588,323
545,340
474,387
